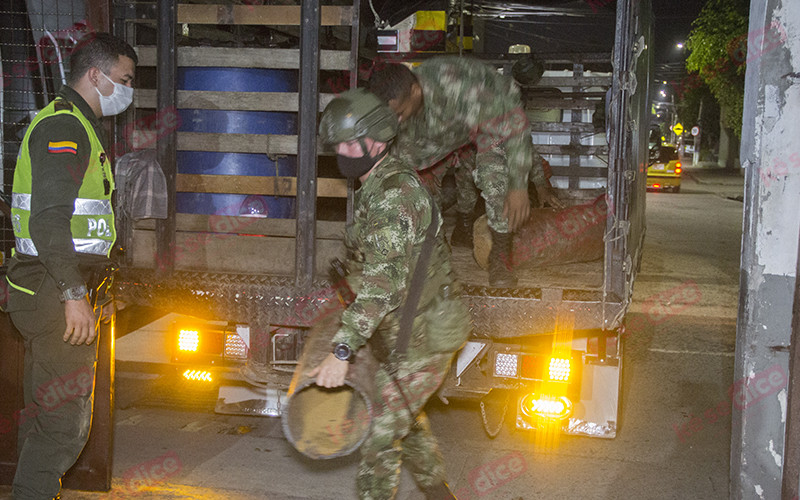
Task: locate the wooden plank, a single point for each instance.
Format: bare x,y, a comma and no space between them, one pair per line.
222,253
231,101
582,172
270,15
562,127
250,184
232,57
572,81
567,149
558,103
239,143
326,230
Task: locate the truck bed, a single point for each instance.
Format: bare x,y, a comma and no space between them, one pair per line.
580,275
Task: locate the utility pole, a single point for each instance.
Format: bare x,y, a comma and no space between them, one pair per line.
699,136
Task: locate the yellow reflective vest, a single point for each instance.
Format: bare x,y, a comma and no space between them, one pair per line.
92,222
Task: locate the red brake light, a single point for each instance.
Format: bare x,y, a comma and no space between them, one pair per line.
657,186
678,168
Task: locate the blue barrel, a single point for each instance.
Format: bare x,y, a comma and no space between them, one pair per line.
236,122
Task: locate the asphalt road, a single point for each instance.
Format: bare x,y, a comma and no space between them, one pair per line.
675,436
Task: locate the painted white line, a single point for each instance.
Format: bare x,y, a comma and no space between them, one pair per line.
703,353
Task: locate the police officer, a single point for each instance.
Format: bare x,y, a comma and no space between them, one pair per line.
64,230
392,214
449,104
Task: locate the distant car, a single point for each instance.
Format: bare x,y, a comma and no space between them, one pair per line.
664,169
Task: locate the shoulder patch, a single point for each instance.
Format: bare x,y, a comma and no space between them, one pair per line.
62,147
62,105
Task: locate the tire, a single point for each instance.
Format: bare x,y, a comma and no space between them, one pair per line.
676,189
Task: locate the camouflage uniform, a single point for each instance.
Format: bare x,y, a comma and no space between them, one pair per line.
466,101
392,214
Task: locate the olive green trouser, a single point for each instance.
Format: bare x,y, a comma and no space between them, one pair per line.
400,429
58,391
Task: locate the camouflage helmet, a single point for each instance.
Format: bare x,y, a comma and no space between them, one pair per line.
356,114
527,70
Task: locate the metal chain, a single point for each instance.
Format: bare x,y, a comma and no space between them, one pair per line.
494,434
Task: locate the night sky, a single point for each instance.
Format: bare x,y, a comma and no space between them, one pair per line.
673,24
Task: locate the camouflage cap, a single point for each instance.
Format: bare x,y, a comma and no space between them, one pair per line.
355,114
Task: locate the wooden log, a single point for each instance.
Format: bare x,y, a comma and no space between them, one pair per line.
550,236
329,423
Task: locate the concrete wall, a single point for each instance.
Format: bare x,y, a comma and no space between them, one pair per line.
770,153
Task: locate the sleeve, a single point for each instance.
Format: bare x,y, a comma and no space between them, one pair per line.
496,117
59,148
394,225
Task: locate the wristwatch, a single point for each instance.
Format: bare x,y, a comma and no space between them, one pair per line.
74,293
343,352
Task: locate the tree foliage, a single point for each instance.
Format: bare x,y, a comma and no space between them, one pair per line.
718,45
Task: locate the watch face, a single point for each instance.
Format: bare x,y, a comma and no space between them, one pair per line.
342,351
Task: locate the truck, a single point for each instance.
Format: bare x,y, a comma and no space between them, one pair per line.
217,298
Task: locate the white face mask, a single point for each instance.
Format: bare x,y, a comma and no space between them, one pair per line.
118,101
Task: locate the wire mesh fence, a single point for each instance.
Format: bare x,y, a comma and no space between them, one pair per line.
36,39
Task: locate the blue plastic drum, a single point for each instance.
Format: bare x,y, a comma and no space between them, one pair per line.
236,122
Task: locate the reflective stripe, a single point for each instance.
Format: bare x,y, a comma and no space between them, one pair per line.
20,288
21,201
83,245
26,246
83,206
92,245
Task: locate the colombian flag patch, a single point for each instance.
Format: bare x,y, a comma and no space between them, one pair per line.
62,147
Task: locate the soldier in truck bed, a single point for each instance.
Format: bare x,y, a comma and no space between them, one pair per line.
451,102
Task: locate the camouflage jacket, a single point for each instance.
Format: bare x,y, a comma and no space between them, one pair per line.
391,216
466,101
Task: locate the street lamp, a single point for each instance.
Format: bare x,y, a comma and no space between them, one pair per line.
679,45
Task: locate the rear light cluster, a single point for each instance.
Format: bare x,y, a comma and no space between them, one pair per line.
531,366
198,375
505,365
678,168
547,407
235,348
559,369
188,340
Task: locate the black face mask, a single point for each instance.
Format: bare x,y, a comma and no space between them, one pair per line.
353,168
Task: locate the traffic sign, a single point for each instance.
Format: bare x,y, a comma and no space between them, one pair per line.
695,130
678,129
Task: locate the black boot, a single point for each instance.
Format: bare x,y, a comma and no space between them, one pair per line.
439,491
501,268
462,233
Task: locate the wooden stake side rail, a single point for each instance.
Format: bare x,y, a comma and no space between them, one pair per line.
232,253
560,103
231,101
574,81
585,128
274,15
240,143
246,57
568,149
232,224
250,184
